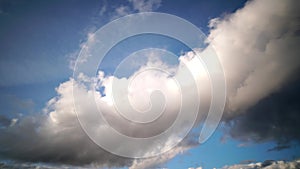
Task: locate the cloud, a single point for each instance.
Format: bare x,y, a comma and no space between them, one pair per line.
103,8
258,46
136,6
4,121
279,147
268,164
57,137
156,162
122,11
274,118
145,5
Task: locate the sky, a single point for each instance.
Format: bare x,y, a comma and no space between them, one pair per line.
192,84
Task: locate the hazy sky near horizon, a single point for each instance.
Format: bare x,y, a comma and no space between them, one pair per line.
256,41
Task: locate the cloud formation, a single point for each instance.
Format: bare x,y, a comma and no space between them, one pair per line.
136,6
145,5
268,164
57,137
258,46
274,118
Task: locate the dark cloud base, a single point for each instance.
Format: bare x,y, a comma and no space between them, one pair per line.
29,142
276,117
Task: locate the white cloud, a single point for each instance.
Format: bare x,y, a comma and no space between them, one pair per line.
159,160
258,48
257,59
122,11
269,164
145,5
59,125
136,6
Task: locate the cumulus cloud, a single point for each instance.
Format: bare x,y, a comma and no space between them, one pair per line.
159,161
57,137
268,164
274,118
258,46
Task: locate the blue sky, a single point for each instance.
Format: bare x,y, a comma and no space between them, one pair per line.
40,39
37,36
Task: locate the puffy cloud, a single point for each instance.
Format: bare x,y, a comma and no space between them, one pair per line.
258,46
156,161
274,118
57,137
268,164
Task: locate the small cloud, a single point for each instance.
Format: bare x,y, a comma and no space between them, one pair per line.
243,145
103,10
279,147
13,122
145,5
247,161
122,11
136,6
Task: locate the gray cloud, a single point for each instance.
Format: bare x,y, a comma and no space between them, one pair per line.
4,121
259,48
57,137
35,140
279,147
274,118
268,164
